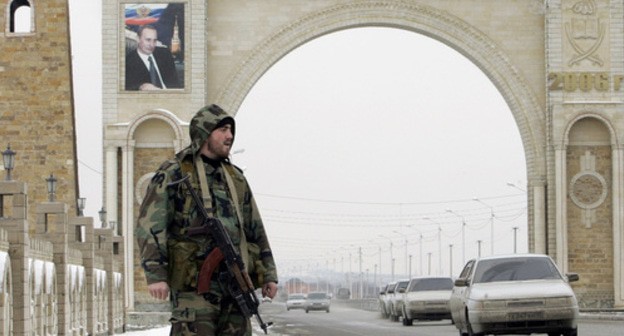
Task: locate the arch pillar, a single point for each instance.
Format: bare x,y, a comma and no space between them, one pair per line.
561,236
112,178
539,217
127,218
618,234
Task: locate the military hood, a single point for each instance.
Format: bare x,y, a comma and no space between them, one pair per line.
206,120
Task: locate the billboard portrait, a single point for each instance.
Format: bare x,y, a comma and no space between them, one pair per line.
154,38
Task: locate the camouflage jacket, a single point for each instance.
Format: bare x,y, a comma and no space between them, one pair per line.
167,211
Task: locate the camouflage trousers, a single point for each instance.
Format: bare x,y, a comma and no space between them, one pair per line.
194,314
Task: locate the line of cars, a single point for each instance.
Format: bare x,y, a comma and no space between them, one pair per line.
308,302
511,294
421,298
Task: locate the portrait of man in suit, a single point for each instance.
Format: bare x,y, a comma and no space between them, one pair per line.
150,64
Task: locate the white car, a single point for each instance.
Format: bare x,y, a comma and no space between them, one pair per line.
317,301
514,294
396,300
295,301
427,298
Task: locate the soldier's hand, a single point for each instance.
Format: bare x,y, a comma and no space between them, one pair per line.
269,289
159,290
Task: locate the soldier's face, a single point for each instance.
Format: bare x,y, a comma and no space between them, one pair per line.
147,41
219,143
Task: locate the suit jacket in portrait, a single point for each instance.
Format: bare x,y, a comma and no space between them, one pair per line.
137,73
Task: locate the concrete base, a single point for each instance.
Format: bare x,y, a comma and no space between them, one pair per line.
148,315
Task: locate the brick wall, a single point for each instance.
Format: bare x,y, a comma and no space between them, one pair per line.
36,109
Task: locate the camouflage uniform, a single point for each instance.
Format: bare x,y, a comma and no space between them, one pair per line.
168,254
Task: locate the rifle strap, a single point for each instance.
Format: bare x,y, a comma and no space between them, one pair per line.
203,184
207,199
243,239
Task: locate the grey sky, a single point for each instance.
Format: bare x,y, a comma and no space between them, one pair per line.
353,136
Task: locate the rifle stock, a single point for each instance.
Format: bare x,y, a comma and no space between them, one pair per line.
241,288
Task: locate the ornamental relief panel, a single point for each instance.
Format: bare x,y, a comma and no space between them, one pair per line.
585,34
588,189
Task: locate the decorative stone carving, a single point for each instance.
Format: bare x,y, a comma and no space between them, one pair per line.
588,189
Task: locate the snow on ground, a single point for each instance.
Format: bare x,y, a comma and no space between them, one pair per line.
160,331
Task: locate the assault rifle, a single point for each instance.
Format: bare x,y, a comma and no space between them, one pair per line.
236,279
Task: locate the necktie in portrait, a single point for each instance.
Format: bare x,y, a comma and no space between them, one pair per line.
153,73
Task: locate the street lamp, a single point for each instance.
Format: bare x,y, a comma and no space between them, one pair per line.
391,257
450,259
51,181
379,245
102,215
491,224
515,186
81,205
8,156
420,242
515,235
404,237
463,231
439,244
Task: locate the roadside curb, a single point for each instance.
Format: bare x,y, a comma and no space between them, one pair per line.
602,316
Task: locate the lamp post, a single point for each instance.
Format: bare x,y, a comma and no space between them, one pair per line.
102,215
491,224
515,235
515,186
8,156
463,232
51,182
450,259
378,245
479,247
405,238
439,244
81,202
420,265
391,257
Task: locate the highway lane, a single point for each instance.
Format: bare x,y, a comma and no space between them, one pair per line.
346,321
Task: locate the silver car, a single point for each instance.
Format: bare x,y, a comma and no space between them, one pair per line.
317,301
295,301
514,294
396,300
427,298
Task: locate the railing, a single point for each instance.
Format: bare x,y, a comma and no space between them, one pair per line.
58,275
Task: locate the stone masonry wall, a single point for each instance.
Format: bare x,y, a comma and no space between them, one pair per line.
590,252
36,109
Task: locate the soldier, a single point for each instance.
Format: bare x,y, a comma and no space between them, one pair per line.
172,258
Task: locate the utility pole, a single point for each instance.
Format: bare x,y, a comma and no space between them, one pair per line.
451,259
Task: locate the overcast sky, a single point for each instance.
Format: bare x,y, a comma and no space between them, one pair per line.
350,142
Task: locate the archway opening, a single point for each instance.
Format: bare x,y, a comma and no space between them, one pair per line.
366,149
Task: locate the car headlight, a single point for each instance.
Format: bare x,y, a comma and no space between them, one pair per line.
560,301
485,304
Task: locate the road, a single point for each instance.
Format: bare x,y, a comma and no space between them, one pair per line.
345,321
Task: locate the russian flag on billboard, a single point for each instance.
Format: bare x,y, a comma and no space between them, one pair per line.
142,14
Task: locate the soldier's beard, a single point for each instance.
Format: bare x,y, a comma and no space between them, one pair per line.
221,150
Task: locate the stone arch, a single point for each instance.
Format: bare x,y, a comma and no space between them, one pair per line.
422,19
607,124
142,148
158,114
